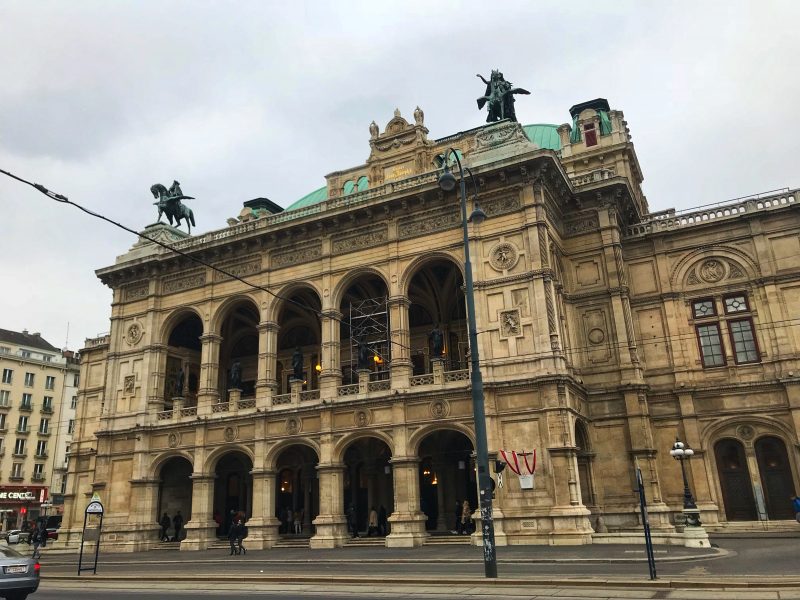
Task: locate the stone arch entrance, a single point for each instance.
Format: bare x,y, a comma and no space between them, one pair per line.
368,479
300,328
175,489
297,490
776,477
734,480
233,488
446,477
239,331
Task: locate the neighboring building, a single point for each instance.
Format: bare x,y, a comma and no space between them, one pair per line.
606,330
38,397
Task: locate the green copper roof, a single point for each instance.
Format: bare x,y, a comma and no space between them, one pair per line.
544,136
309,199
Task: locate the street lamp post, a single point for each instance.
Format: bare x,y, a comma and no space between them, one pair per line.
682,452
447,182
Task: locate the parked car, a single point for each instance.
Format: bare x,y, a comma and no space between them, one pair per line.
19,575
15,536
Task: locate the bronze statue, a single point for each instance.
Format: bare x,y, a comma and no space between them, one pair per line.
169,203
179,382
437,341
236,375
363,354
500,97
297,364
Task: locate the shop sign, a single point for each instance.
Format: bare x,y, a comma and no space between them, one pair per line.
23,495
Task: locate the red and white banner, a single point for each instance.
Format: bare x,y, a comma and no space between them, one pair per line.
512,459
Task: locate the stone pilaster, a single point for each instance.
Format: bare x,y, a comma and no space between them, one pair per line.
267,355
330,377
400,341
331,524
200,529
263,526
209,372
407,522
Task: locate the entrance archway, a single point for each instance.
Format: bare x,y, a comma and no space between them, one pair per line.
734,479
233,488
776,477
368,479
297,490
175,488
446,478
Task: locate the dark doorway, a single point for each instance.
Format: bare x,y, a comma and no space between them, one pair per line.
776,477
368,479
734,478
175,488
233,489
297,490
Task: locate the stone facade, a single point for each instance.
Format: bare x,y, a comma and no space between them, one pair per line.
605,331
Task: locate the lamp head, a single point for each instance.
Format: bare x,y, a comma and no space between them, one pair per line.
447,181
478,216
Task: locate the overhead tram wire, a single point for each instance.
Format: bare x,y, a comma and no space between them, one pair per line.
762,325
64,200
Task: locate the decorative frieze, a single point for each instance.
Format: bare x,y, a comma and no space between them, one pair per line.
581,225
427,223
244,267
296,256
502,205
510,323
187,282
364,238
136,291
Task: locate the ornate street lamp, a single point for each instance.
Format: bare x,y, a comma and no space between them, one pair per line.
447,182
682,452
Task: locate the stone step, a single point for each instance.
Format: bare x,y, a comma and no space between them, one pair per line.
458,540
166,546
293,542
366,541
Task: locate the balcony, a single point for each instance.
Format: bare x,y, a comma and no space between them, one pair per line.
44,433
26,407
5,405
37,477
22,454
40,455
24,430
46,410
19,476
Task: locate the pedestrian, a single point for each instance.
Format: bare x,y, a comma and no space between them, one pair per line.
466,517
165,523
234,534
177,521
39,538
459,510
289,520
796,506
383,522
298,520
242,535
352,521
372,526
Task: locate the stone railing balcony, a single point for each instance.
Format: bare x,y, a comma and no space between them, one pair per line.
309,395
281,399
670,219
347,390
37,477
592,177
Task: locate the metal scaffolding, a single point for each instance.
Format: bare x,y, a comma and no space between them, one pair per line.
368,321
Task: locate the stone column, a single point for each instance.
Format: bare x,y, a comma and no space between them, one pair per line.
331,524
330,377
262,528
200,529
407,522
363,381
208,393
155,389
267,355
296,386
400,342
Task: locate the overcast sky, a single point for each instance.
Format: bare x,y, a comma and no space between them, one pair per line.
99,100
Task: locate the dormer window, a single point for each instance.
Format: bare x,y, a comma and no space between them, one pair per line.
590,134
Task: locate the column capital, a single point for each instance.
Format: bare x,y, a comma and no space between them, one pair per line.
401,461
210,337
331,313
263,472
398,301
331,467
269,326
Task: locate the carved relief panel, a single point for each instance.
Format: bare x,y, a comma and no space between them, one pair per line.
597,335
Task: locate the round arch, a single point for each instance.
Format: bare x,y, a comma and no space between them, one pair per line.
419,435
293,288
274,453
733,428
681,269
174,318
340,289
339,450
417,264
159,461
174,491
227,306
213,458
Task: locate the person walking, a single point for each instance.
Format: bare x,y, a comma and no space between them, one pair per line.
352,520
466,517
459,510
39,539
298,521
242,535
796,507
372,526
234,536
383,522
177,522
165,523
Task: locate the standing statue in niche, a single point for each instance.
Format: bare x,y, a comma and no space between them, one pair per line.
436,338
499,96
179,383
297,364
363,354
236,375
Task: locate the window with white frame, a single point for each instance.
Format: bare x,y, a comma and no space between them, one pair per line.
64,484
50,382
44,424
47,403
71,426
734,319
47,358
29,377
5,396
2,422
27,401
22,425
38,470
41,448
16,470
76,379
8,375
19,446
25,353
74,403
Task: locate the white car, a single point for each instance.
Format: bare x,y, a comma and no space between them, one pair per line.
15,536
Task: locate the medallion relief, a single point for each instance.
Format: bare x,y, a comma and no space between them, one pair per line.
174,440
134,333
129,385
503,256
362,418
230,434
292,426
439,409
510,323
